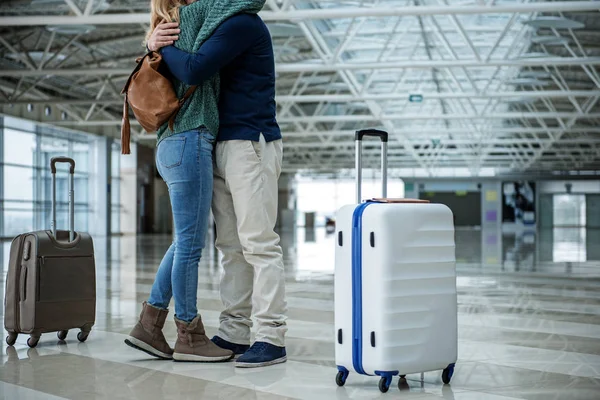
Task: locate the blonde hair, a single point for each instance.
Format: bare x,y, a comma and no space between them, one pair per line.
163,11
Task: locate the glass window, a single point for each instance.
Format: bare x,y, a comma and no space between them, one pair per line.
51,146
62,217
81,189
569,210
115,220
115,161
115,205
18,183
26,177
115,195
81,219
18,218
62,187
19,147
18,205
5,253
44,209
81,155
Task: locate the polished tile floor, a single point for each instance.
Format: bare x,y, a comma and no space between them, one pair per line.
529,328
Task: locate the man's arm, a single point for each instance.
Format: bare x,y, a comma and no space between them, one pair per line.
228,41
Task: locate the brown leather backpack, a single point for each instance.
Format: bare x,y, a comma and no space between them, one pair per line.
151,97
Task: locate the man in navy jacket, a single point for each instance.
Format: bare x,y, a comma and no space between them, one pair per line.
248,158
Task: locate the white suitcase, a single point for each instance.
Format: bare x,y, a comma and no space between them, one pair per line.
395,285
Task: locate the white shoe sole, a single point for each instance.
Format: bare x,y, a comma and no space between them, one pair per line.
196,358
146,348
258,365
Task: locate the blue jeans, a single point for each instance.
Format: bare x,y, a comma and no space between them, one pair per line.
185,162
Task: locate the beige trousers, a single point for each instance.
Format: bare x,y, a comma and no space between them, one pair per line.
244,206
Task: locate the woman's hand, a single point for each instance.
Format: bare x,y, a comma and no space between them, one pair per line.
163,35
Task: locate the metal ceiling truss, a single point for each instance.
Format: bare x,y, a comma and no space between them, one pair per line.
457,84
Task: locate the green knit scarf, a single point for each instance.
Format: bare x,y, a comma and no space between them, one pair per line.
197,22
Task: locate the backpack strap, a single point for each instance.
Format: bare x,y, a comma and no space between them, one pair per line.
139,62
125,124
125,128
186,96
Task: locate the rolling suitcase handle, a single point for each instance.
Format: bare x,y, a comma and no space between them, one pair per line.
53,162
383,136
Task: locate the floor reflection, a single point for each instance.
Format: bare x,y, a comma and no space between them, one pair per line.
312,250
558,249
528,312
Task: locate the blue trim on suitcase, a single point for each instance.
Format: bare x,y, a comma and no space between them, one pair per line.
357,337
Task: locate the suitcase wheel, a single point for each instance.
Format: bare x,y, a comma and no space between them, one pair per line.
447,374
82,336
11,339
403,384
384,384
340,378
62,335
33,341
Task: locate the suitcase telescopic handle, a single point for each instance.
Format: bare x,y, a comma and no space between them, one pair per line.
383,136
67,160
53,162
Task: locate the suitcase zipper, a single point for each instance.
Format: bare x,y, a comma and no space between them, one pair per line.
43,258
357,336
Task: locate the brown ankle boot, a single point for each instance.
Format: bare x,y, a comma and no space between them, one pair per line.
147,334
193,344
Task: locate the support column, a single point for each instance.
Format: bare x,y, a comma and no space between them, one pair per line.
593,225
592,207
286,216
491,204
546,210
546,223
491,223
286,209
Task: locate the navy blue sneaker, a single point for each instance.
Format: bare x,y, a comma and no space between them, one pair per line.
238,349
262,354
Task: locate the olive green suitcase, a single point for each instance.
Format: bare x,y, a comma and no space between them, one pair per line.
51,281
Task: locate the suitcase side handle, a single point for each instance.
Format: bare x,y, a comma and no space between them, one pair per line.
383,136
53,163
